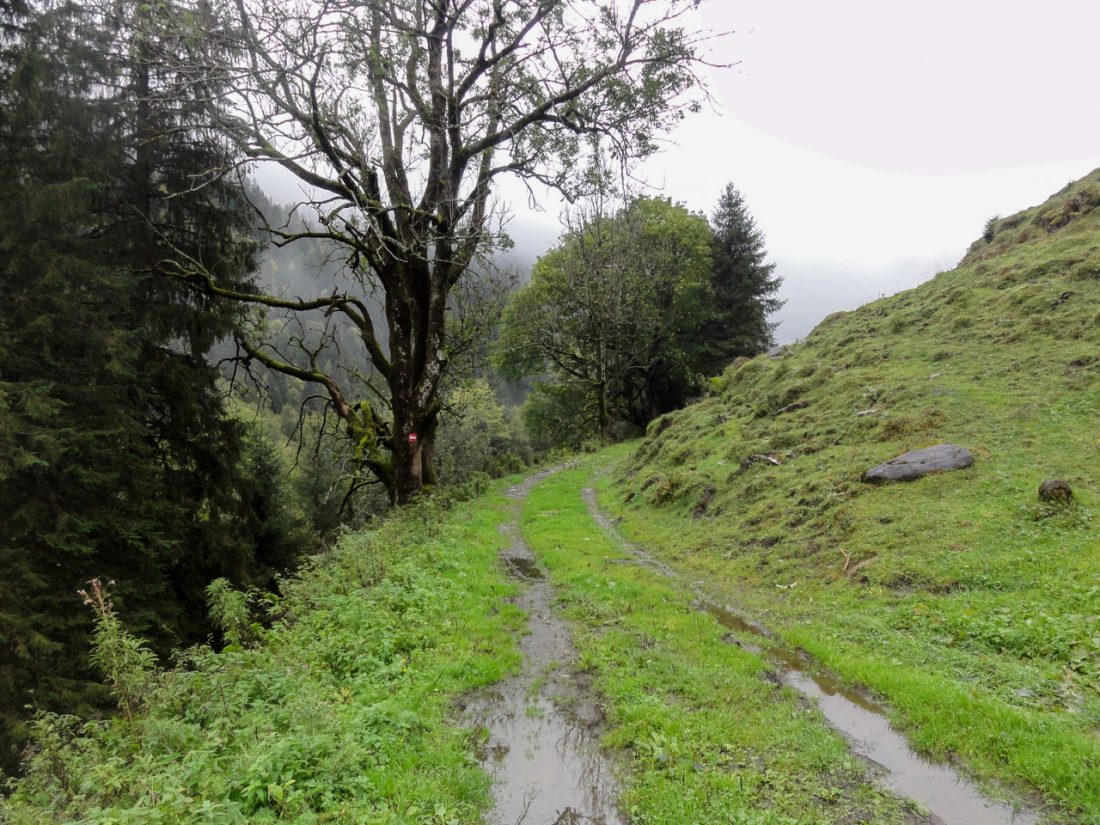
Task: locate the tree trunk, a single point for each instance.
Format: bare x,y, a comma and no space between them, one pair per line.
602,412
413,465
650,393
408,472
427,452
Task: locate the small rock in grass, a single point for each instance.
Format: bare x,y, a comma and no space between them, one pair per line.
1056,491
919,463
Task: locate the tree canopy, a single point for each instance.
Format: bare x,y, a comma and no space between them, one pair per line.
630,310
612,314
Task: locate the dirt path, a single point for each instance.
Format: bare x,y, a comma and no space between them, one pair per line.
544,724
946,794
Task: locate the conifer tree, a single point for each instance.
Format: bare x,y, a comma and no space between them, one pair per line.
117,459
743,284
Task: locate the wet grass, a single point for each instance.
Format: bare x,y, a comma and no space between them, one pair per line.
344,711
707,735
970,606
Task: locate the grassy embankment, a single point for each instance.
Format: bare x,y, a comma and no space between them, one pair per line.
973,609
343,712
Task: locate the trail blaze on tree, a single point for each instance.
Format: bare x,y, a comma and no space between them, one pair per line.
398,117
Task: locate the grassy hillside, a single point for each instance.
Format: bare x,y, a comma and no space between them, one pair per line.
970,606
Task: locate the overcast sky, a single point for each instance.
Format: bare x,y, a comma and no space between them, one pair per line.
872,139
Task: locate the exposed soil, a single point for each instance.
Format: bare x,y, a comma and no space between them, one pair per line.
937,787
544,723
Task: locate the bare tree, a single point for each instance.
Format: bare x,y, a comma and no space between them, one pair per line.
398,117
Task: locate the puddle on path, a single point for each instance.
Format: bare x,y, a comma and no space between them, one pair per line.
543,747
945,793
521,567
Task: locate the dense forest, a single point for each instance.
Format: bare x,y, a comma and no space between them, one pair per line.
200,386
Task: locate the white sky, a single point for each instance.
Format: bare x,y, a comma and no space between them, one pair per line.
872,139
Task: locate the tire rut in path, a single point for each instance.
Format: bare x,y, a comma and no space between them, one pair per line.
945,793
543,723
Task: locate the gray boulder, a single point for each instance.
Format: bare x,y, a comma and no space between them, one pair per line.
1056,491
920,463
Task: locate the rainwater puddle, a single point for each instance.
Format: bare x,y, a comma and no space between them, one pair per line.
937,787
545,766
543,745
521,567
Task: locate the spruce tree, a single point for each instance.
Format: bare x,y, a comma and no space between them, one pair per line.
117,457
743,286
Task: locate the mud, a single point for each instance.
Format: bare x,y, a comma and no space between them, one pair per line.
937,787
543,723
734,621
521,567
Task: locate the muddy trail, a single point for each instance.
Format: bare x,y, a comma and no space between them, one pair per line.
947,795
543,723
